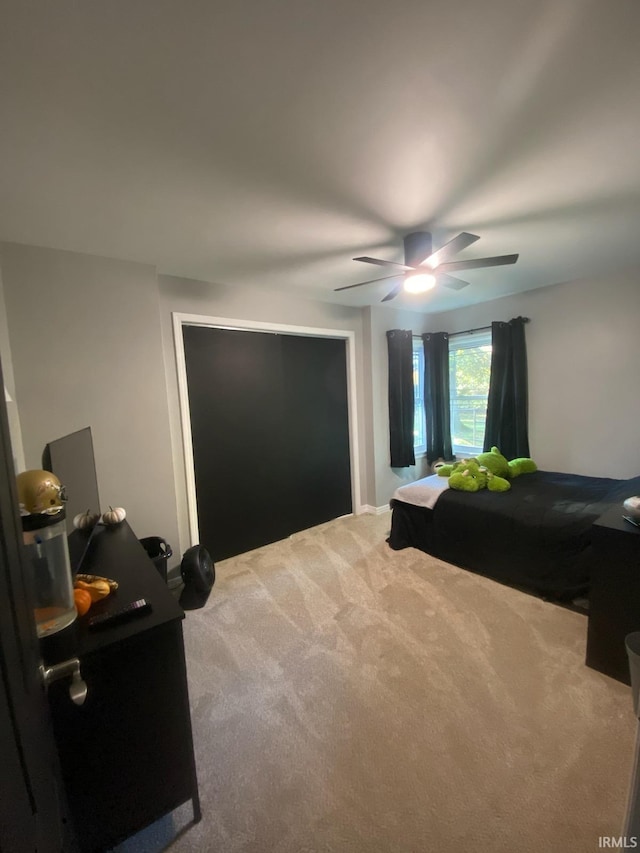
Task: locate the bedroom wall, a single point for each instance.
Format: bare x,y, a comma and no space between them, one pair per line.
13,415
87,351
583,351
187,296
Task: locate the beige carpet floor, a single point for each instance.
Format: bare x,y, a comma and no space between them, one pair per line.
346,697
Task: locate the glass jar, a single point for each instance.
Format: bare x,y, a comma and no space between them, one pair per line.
45,539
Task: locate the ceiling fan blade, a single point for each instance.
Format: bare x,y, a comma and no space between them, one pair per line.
451,282
381,263
477,263
360,283
454,246
394,292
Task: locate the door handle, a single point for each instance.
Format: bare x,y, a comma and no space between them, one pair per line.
71,667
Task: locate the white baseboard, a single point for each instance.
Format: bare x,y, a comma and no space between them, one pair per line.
373,510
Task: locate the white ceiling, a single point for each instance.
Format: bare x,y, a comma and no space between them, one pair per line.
266,143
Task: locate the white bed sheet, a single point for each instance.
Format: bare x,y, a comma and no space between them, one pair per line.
424,492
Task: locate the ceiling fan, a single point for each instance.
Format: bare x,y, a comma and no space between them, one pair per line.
423,268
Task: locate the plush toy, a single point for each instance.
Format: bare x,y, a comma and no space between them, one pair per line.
446,469
497,484
521,465
489,470
468,476
495,462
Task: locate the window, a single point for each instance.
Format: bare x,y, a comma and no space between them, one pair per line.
419,423
469,373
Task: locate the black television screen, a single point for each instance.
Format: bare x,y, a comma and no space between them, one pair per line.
71,459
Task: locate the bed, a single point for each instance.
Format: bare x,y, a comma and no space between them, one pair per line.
535,537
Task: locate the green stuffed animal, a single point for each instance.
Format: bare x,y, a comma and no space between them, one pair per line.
497,484
467,476
489,470
521,465
495,462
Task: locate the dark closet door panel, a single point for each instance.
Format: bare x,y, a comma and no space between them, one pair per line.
317,450
235,397
269,423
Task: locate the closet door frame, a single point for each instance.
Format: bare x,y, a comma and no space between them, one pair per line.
180,320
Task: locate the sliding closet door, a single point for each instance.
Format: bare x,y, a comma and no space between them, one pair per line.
269,425
316,429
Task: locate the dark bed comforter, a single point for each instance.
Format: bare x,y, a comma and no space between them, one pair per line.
537,536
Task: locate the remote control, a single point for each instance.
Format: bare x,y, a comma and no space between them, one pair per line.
631,520
136,608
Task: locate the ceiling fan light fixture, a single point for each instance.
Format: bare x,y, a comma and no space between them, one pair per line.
419,282
422,266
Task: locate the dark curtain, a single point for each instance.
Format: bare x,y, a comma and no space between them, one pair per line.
401,399
436,395
507,405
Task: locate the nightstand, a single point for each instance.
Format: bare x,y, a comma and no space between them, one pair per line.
614,599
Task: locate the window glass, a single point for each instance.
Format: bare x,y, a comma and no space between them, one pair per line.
469,373
419,425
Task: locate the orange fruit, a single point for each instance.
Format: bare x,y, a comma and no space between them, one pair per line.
97,589
82,600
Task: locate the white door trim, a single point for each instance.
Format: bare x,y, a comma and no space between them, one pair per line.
180,320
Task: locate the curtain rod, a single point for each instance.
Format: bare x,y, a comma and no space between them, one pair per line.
471,331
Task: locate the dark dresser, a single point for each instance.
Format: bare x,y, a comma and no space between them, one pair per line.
614,599
127,753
